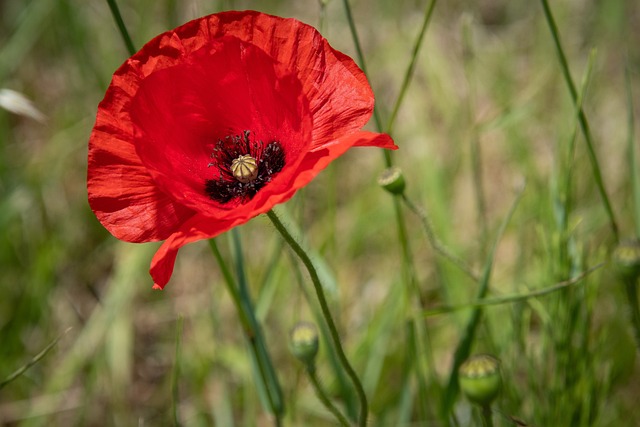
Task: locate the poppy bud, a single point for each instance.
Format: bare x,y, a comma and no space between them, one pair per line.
626,258
480,378
304,342
392,180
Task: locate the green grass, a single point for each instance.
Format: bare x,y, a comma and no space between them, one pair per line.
488,106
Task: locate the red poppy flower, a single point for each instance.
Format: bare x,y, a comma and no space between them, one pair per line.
216,122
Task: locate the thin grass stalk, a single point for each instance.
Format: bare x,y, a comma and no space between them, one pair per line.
282,229
463,348
176,372
509,299
631,153
474,138
322,19
33,360
363,65
584,124
435,243
567,199
412,65
265,365
115,11
251,332
413,365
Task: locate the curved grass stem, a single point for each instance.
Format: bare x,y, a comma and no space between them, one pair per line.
437,245
324,306
582,118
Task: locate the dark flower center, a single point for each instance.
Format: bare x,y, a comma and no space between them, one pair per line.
244,167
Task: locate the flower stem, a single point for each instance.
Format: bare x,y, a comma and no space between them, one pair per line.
251,328
120,23
322,395
487,416
282,229
584,125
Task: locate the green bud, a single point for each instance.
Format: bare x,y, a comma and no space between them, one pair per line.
392,180
304,342
480,378
626,259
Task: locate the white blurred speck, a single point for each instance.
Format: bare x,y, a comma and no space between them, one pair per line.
17,103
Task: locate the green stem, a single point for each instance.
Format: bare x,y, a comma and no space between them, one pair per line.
508,299
322,395
176,372
33,361
632,156
265,365
477,177
363,65
364,409
487,418
412,65
120,23
631,288
252,332
435,242
584,125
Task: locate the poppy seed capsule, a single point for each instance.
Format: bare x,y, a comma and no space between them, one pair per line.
480,379
244,169
392,180
626,258
304,342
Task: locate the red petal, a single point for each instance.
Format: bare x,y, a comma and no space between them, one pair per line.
318,159
339,95
223,89
197,228
121,192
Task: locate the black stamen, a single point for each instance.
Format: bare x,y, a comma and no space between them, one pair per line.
226,188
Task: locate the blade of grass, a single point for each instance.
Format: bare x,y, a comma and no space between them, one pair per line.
477,175
115,11
413,365
412,65
267,379
130,267
463,348
584,124
435,243
507,299
33,360
176,373
631,153
25,36
264,359
363,65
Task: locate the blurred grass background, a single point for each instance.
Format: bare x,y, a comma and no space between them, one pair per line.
487,110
